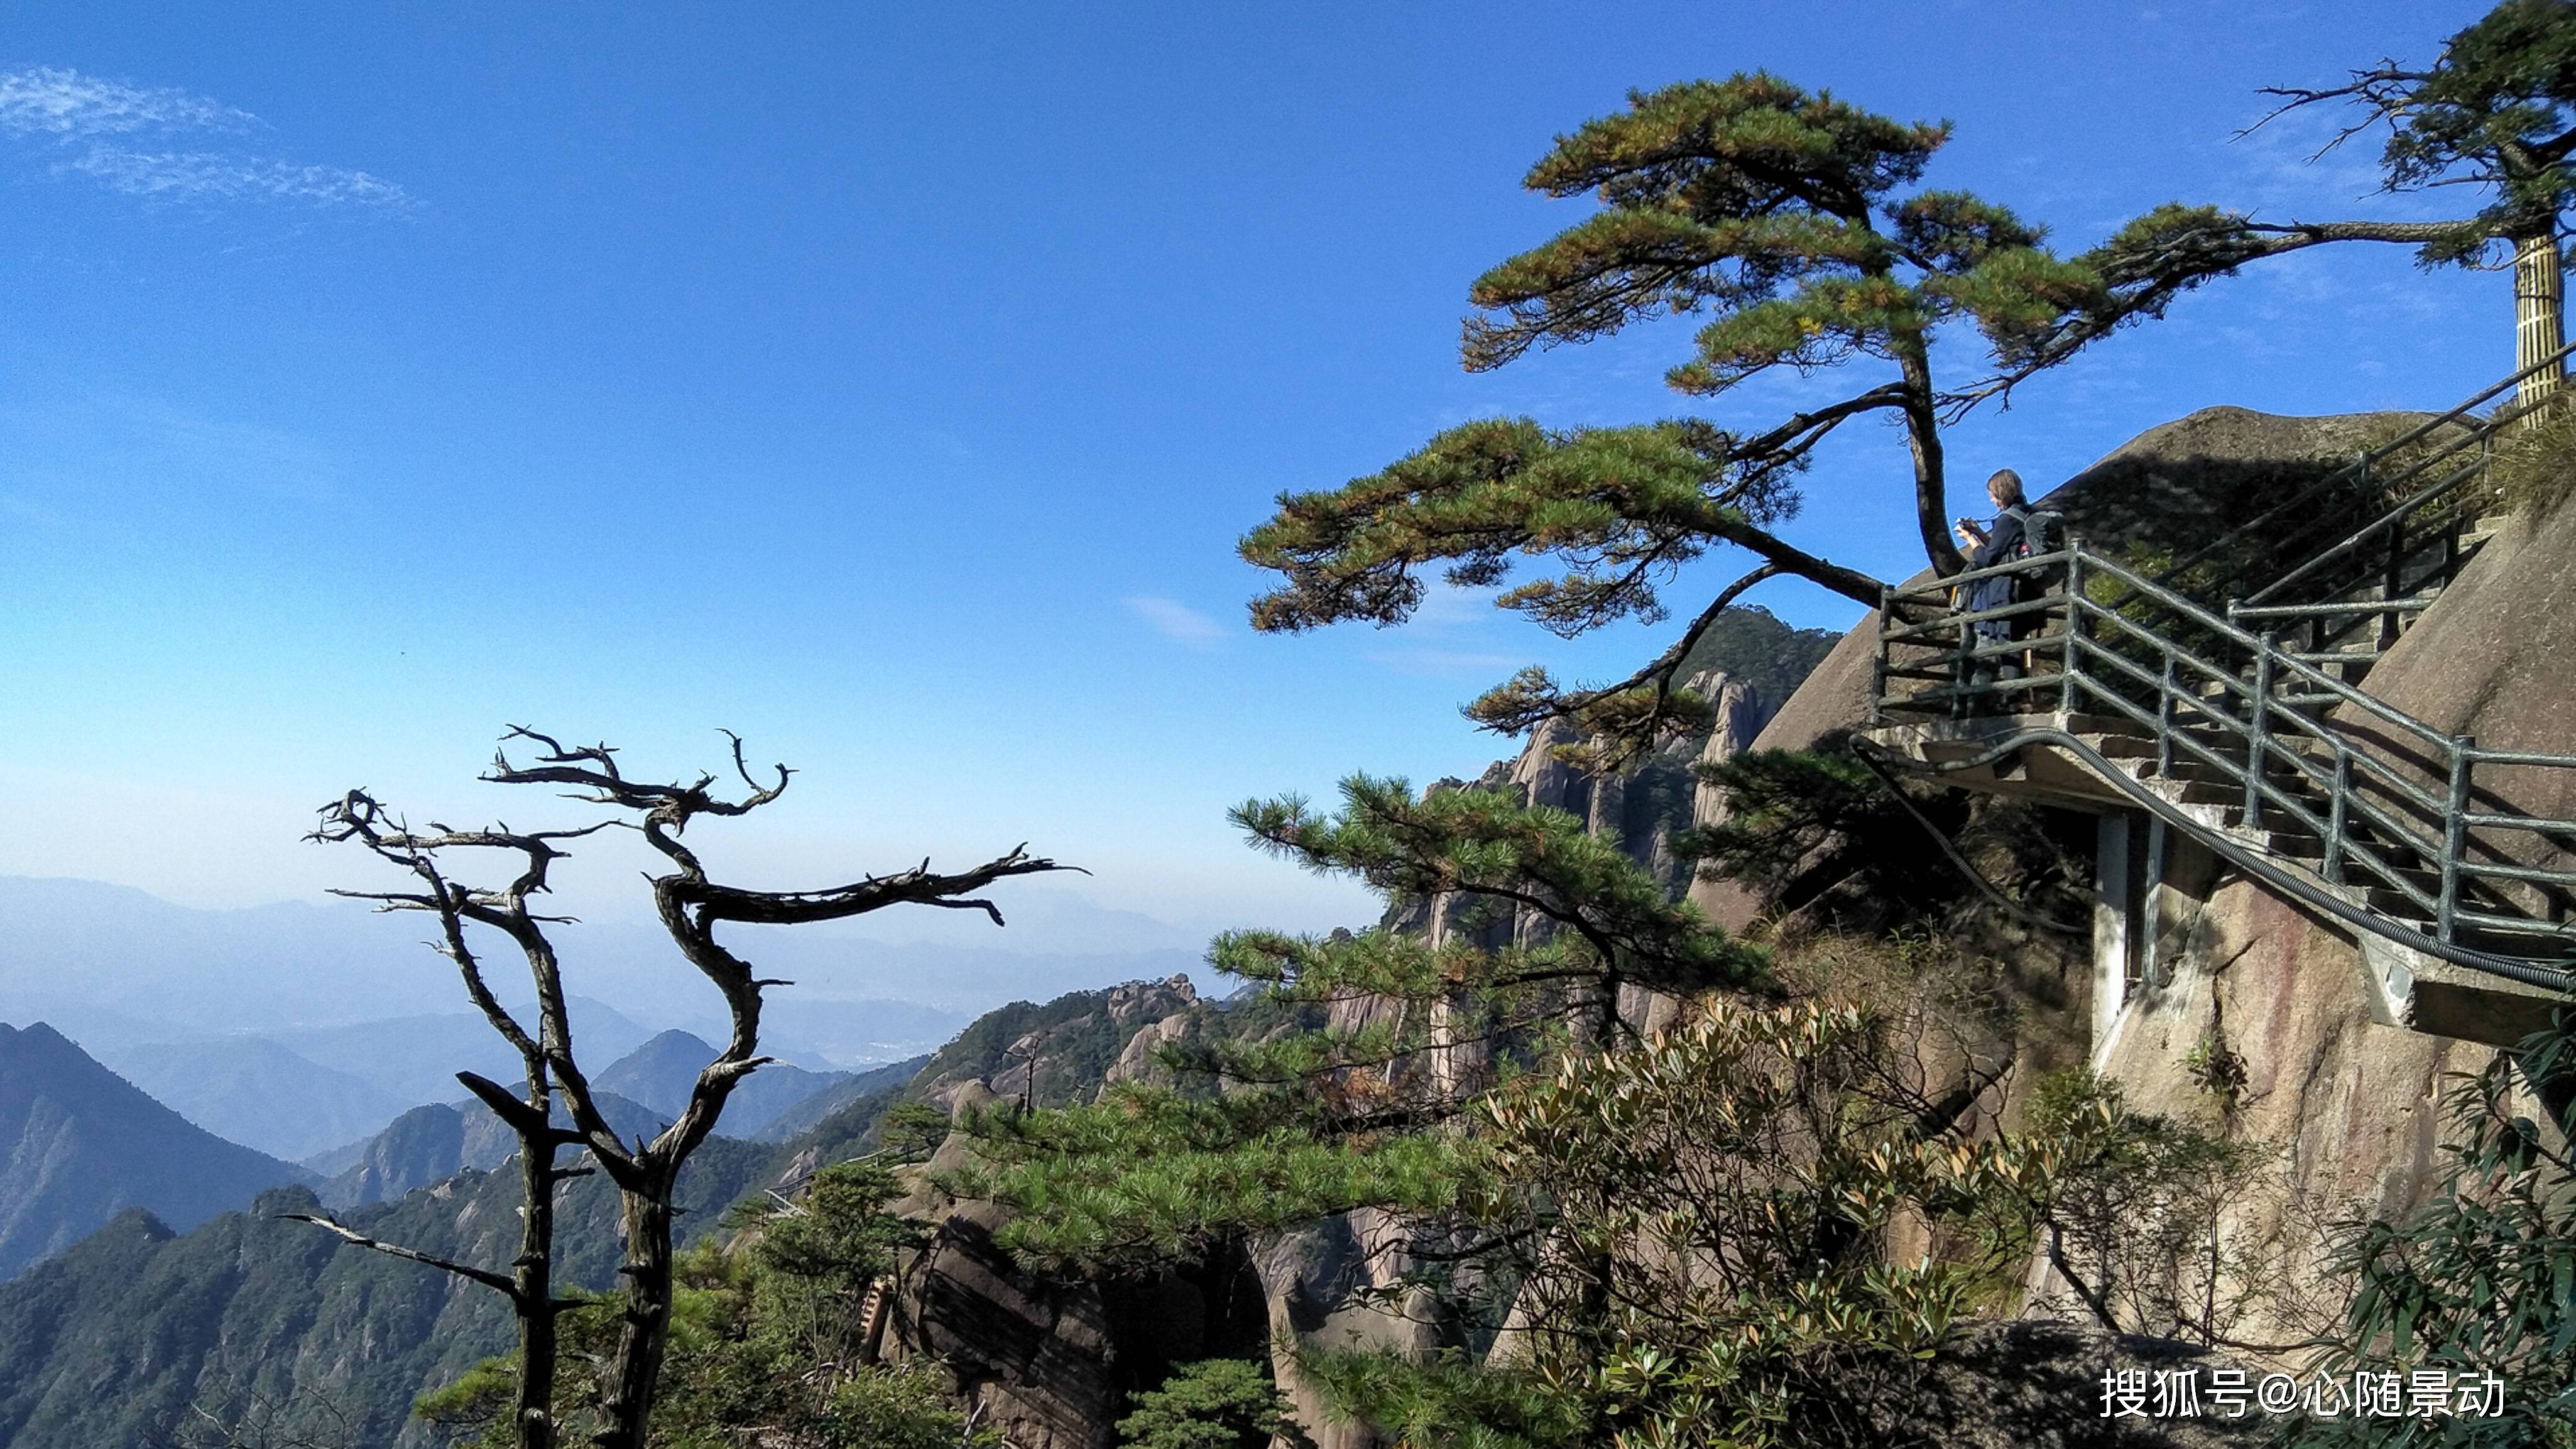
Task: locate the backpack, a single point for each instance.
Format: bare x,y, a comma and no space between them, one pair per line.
2043,530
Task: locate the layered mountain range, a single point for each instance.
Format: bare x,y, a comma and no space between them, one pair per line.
160,1306
80,1144
147,1322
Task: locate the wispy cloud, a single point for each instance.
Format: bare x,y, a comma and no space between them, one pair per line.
59,102
70,119
1178,622
192,175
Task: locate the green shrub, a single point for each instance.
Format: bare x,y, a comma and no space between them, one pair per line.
2483,1279
2535,469
1217,1403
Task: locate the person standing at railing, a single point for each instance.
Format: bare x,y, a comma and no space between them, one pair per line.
2009,537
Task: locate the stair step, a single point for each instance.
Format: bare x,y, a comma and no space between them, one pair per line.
2541,941
2198,792
2365,655
2280,776
2391,902
2277,820
2123,747
2427,881
2301,846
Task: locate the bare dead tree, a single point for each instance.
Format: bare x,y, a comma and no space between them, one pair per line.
529,1285
692,906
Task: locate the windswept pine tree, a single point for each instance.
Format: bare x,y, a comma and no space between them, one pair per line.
1603,1233
1365,1047
1794,222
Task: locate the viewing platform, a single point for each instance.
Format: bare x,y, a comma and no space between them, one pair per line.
2237,736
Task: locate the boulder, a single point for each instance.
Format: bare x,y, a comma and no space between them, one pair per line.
2489,660
1035,1358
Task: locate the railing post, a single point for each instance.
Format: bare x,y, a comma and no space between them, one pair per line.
1878,660
2070,664
2455,835
2165,718
2393,586
2258,731
2335,797
1960,707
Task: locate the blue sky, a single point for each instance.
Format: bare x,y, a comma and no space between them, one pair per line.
890,383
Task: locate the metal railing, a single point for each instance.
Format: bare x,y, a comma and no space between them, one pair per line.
2397,814
2424,480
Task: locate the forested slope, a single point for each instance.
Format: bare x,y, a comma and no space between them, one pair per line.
140,1335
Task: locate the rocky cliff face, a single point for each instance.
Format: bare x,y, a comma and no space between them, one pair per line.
1053,1054
2357,1109
1308,1277
1049,1362
2353,1109
1642,808
2489,659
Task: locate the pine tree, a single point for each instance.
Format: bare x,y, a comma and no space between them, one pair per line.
1510,933
1793,222
1217,1403
1678,1237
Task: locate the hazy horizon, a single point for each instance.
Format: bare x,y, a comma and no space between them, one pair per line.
136,968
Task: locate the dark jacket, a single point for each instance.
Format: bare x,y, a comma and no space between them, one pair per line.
2003,544
2002,536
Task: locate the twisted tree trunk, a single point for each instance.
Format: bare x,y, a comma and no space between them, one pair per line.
643,1335
532,1279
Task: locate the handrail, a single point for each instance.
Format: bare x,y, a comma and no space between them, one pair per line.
2095,674
2354,542
2360,467
2252,862
2405,824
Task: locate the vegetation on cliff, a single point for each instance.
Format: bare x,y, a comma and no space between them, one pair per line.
2483,1279
770,1337
1705,1234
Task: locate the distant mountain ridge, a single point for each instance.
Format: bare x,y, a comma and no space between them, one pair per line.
246,1310
428,1145
804,1116
661,1073
105,962
639,1094
80,1144
257,1092
245,1314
